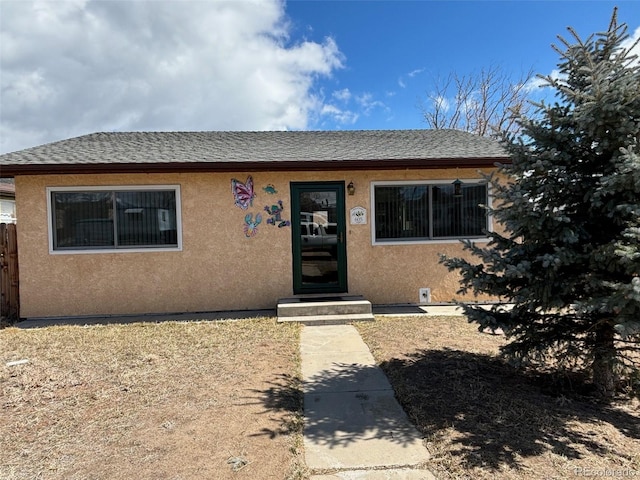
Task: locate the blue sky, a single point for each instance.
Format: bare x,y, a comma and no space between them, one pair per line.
71,67
395,50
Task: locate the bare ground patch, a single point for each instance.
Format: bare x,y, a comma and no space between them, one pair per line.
482,419
151,401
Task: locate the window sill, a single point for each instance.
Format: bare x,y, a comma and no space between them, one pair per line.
429,242
97,251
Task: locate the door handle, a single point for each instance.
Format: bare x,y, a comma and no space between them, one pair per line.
340,238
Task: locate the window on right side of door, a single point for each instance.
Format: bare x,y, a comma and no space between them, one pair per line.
415,212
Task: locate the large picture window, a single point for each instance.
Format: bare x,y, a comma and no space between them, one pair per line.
114,218
414,212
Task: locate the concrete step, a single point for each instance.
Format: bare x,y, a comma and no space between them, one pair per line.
328,319
322,310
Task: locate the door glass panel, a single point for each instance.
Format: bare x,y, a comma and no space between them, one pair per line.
318,237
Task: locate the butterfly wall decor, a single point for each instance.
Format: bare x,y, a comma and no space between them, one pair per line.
243,192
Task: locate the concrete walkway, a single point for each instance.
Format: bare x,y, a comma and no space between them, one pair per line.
354,427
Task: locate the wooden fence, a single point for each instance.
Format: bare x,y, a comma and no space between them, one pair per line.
9,293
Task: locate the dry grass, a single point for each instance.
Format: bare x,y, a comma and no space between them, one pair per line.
221,400
195,400
483,420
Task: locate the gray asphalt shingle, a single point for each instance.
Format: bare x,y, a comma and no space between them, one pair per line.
261,147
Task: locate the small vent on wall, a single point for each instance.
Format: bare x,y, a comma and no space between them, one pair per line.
424,295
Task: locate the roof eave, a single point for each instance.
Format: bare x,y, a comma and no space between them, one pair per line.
9,171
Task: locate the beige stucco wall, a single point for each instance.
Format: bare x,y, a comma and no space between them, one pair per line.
218,267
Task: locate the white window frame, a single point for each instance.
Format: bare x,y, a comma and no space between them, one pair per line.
470,181
7,210
111,188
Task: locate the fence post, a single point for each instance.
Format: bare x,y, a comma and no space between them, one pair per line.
9,279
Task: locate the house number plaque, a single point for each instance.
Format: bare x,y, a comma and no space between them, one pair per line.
358,216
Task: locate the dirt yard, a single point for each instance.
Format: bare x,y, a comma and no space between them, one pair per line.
198,400
221,400
483,420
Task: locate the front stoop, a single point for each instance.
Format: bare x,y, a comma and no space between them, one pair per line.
324,309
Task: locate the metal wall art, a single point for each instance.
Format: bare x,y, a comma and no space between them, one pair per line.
243,195
243,192
275,213
251,225
270,189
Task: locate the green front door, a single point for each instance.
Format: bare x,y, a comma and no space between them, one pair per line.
318,229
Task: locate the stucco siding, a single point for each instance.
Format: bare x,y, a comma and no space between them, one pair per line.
218,268
388,274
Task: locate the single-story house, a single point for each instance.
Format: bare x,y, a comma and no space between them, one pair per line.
162,222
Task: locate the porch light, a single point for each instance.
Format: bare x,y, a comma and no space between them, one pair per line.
351,188
457,188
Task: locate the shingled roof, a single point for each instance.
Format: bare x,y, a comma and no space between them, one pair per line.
231,151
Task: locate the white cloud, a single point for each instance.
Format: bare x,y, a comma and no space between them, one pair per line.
633,41
368,103
360,104
338,115
401,81
73,67
442,103
343,95
535,82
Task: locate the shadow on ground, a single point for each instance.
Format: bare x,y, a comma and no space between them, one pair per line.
284,395
495,414
143,318
342,405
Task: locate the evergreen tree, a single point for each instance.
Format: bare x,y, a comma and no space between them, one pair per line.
569,205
